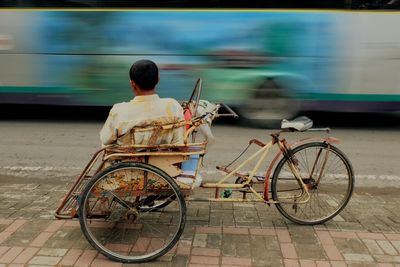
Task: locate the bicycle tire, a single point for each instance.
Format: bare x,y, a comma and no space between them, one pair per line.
322,204
137,250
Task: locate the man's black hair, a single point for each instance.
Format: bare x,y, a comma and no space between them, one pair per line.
144,73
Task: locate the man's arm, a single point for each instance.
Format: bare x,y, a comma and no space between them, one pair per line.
107,133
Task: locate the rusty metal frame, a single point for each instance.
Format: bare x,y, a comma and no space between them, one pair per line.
139,152
263,151
69,205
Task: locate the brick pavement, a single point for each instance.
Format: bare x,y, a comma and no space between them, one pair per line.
367,233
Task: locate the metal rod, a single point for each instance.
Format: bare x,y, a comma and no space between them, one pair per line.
223,200
266,147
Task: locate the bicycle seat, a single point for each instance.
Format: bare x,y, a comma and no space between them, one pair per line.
300,124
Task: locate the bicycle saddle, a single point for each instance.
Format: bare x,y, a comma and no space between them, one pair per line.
300,124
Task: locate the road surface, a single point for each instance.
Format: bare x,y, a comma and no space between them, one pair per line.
60,150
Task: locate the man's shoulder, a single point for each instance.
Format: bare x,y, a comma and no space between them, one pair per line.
170,100
119,106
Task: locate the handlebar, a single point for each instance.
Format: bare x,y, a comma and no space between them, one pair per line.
230,113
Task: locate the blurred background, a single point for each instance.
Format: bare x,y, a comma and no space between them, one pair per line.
268,64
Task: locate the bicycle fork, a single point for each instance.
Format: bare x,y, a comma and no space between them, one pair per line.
293,165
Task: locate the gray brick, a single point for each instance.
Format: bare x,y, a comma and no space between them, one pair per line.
358,257
387,247
44,260
53,252
373,247
200,240
387,258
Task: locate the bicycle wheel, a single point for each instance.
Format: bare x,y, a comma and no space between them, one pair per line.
113,221
328,177
157,202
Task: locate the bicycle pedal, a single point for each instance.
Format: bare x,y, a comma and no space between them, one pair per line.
260,178
245,190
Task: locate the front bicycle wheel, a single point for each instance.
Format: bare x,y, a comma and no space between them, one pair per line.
328,180
114,222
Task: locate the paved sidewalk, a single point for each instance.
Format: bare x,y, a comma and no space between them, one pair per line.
367,233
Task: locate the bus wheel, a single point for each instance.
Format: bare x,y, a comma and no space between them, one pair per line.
269,104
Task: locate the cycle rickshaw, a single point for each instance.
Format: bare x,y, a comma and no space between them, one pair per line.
132,208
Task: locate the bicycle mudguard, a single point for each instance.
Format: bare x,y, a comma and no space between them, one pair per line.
329,140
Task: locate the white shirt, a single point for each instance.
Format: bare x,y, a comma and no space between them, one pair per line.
143,111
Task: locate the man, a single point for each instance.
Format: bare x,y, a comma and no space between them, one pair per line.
146,109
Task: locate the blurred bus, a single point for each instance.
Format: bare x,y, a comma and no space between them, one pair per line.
268,64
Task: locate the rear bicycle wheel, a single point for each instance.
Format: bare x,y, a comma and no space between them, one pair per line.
112,218
156,203
328,177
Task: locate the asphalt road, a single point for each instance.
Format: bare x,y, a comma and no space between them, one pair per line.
59,150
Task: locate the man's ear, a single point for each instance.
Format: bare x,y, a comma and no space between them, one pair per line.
133,86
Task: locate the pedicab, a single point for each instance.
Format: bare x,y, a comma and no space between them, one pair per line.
131,200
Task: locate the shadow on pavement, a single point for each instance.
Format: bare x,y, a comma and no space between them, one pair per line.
53,113
355,120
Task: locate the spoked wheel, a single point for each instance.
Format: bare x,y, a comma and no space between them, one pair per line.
155,203
116,215
328,177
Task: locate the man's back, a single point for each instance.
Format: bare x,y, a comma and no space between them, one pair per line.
143,111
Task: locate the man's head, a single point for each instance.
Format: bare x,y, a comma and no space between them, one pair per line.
144,76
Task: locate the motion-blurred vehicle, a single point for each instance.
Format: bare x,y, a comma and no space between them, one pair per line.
261,92
267,64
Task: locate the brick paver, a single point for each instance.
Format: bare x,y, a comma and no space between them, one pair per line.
332,252
3,250
54,226
11,254
14,226
236,261
44,260
206,251
86,258
4,236
288,251
344,234
235,231
204,260
325,238
184,247
41,239
269,231
216,234
283,235
26,255
307,263
291,263
392,236
209,230
71,257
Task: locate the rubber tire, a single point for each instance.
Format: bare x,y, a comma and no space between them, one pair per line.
122,165
283,161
